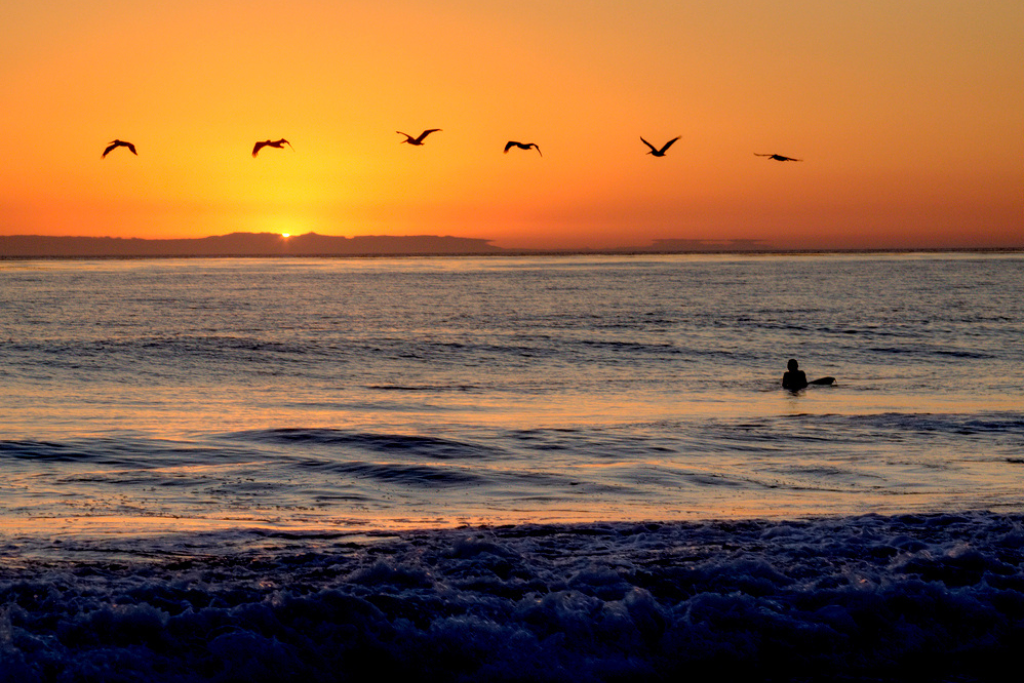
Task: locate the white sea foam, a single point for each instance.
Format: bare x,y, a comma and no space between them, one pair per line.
935,597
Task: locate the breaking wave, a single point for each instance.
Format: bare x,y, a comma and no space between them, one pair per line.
930,597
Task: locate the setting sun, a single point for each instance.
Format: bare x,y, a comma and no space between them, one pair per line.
907,119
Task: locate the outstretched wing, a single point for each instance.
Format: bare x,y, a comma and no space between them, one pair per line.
285,142
653,148
426,133
669,143
522,145
131,147
109,148
256,149
776,157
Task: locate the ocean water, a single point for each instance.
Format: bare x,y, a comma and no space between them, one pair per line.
556,468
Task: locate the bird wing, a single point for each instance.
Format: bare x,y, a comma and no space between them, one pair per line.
111,146
509,145
283,141
653,148
407,136
131,147
670,143
777,157
256,149
426,133
534,145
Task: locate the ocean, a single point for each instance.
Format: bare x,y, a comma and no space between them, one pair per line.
511,468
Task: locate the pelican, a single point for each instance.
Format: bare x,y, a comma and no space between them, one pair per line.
777,157
277,144
113,144
522,145
660,152
417,141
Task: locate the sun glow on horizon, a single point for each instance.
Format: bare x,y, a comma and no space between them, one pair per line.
908,119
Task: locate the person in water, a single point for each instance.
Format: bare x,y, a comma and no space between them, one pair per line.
794,379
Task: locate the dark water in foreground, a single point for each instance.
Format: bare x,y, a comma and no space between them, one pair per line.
228,469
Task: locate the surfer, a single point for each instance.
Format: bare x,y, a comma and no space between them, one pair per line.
795,379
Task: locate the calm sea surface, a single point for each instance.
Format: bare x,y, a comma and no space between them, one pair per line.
153,396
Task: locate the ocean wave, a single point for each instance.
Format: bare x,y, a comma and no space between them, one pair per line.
941,423
408,475
135,452
783,464
424,387
393,444
909,597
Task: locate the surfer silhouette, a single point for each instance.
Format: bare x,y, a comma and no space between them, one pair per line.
795,379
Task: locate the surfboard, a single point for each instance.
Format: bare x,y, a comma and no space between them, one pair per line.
824,380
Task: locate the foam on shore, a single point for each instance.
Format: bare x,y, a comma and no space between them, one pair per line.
930,597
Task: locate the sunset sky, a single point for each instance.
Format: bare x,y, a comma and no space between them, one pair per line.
908,114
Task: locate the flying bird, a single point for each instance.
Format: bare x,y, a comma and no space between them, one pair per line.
522,145
417,141
277,144
113,144
777,157
660,152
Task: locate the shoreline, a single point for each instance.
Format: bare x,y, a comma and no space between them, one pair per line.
905,597
218,539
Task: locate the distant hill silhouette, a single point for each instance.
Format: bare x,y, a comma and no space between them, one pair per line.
241,244
268,244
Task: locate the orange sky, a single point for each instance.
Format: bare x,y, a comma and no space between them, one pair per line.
909,116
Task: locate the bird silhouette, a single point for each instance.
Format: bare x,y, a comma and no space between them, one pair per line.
278,144
777,157
660,152
417,141
522,145
113,144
